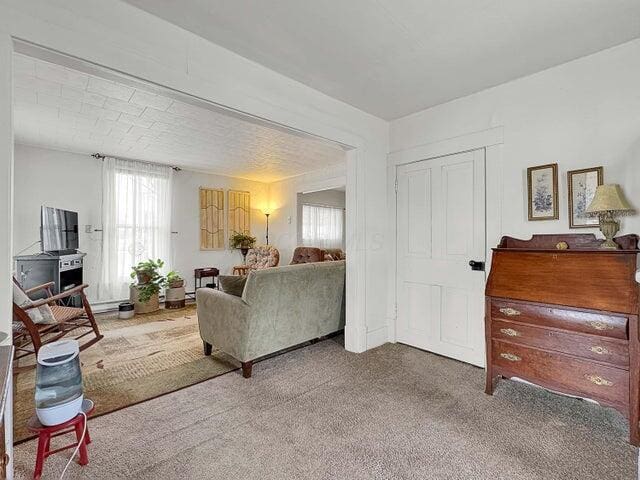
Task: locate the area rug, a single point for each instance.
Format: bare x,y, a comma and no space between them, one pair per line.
138,359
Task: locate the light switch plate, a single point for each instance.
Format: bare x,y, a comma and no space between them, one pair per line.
88,229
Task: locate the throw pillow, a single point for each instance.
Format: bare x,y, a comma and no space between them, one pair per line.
232,284
42,314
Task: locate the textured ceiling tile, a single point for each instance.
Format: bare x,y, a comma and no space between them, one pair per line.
145,99
124,107
109,88
116,119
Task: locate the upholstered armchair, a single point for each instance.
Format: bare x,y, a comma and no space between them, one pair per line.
307,255
263,256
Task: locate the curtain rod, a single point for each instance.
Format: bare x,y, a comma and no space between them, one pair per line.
99,156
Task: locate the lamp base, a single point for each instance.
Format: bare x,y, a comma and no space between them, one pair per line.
609,227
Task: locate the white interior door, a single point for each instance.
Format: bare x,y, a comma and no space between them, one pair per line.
441,228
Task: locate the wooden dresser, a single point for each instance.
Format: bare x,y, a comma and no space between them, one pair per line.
567,319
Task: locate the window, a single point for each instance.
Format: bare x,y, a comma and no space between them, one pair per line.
322,226
136,217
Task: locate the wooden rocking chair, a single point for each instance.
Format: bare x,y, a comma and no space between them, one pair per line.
28,336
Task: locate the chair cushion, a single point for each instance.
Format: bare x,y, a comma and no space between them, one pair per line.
41,314
265,256
307,255
232,284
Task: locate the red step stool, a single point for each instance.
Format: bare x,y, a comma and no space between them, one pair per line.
45,434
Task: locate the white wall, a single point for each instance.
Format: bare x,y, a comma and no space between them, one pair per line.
581,114
62,180
186,222
74,182
121,37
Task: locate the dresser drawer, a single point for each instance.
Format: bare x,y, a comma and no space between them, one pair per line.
562,372
592,347
554,316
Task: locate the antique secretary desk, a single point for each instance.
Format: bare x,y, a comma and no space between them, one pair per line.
563,314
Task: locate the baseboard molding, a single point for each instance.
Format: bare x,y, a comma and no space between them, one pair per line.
377,337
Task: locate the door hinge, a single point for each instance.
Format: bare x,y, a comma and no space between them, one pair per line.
396,185
395,310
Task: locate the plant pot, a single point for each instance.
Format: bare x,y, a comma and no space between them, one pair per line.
176,284
152,305
244,251
143,277
174,298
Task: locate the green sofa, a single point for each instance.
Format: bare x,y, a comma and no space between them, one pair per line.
280,307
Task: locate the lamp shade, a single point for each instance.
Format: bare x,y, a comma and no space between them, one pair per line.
609,198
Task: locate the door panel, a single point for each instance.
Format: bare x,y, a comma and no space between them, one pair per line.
440,228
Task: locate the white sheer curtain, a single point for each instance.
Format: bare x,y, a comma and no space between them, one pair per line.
136,221
322,226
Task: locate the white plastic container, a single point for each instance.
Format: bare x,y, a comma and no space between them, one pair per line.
58,382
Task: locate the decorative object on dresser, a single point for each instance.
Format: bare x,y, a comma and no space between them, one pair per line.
608,203
567,320
542,187
582,186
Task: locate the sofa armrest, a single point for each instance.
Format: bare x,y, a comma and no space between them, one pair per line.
223,320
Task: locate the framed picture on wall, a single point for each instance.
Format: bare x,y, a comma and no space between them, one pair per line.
542,185
582,188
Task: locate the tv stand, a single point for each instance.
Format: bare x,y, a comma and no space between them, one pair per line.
65,270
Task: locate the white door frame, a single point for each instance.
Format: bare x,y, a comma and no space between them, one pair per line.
491,141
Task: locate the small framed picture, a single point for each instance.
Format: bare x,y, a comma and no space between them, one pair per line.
542,183
582,188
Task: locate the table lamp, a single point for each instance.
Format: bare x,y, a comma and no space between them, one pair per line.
607,204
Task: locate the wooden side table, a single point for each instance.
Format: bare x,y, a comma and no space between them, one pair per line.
241,270
45,434
200,273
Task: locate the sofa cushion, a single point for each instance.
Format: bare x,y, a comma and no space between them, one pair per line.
264,256
232,284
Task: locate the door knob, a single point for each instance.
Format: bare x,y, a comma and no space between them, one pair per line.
476,265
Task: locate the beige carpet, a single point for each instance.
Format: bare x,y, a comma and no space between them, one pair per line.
322,413
137,359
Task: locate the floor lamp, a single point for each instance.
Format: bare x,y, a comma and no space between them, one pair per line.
267,236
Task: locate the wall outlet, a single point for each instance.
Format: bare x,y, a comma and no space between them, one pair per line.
88,229
289,220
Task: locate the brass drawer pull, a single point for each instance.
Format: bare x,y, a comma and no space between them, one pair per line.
600,350
510,312
598,380
511,357
600,325
510,332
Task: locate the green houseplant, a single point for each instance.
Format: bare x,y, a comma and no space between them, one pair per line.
244,242
174,280
150,281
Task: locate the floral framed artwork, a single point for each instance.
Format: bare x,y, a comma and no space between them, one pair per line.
542,183
582,188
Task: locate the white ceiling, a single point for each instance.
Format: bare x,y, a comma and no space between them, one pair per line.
67,109
395,57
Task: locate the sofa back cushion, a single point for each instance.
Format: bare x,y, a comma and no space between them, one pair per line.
294,303
307,255
232,284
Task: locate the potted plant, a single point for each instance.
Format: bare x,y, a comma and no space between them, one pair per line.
242,241
174,280
174,295
145,293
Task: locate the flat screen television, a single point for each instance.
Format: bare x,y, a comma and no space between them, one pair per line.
58,230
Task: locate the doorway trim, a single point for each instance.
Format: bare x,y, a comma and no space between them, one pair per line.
491,140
